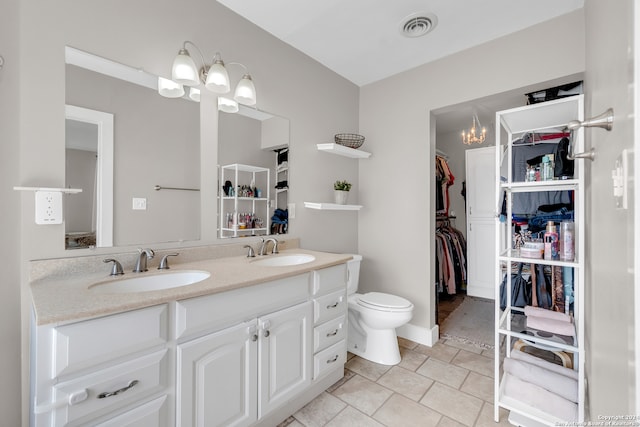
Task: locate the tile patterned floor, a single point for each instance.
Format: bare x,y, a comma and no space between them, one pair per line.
447,385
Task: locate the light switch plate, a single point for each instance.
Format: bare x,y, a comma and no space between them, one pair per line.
291,207
48,207
139,204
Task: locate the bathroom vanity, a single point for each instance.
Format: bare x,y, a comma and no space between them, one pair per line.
249,345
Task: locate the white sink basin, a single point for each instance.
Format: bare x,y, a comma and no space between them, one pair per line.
284,260
151,282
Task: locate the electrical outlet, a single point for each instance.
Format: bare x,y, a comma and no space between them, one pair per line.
48,207
139,204
291,207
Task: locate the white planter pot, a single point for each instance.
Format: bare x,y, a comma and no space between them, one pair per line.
341,197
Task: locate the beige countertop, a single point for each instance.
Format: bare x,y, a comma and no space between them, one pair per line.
65,298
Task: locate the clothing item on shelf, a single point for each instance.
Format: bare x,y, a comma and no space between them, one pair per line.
558,384
551,325
451,262
540,398
444,180
549,314
533,360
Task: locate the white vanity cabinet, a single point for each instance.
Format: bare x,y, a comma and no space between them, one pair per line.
237,375
92,371
329,292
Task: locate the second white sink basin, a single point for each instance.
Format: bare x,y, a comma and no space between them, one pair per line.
145,282
284,260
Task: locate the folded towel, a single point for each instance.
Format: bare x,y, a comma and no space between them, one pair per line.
540,398
549,314
526,357
551,325
555,383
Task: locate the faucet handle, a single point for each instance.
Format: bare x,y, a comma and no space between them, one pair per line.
116,269
164,262
251,253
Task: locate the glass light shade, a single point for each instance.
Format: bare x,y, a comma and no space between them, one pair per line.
227,105
245,91
184,70
169,88
194,94
217,78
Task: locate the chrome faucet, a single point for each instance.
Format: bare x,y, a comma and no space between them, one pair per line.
116,268
141,264
264,246
164,262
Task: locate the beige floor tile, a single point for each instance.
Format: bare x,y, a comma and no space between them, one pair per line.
291,422
442,372
448,422
488,353
363,394
351,417
463,346
320,410
399,411
405,343
474,362
438,351
367,369
405,382
347,376
411,360
479,386
453,403
486,417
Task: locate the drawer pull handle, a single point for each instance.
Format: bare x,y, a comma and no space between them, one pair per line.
335,359
115,393
334,305
332,334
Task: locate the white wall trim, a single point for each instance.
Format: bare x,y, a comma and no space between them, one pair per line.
419,334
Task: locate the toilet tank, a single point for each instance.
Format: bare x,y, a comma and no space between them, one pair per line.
353,274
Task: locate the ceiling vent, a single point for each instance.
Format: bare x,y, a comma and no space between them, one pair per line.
418,24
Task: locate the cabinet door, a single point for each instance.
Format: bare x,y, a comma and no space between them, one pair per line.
217,379
481,182
481,258
285,348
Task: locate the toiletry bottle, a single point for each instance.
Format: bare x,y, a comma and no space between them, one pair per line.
550,241
546,169
567,241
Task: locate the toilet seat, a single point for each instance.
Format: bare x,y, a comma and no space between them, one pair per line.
384,302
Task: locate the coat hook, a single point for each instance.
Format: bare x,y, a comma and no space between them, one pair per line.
604,121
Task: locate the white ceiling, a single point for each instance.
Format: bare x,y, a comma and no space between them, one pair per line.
361,39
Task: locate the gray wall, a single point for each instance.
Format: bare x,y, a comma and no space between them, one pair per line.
398,180
10,246
610,242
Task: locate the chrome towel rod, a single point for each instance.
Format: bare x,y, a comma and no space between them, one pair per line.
158,188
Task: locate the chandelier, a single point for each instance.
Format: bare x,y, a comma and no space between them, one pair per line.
475,135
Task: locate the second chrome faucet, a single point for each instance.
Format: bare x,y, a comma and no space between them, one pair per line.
141,264
263,247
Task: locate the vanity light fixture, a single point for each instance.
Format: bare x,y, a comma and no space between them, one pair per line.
215,76
227,105
476,134
169,88
194,94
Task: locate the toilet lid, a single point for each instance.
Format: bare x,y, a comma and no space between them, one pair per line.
380,300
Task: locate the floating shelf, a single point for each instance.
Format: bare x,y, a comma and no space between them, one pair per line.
331,206
61,190
341,150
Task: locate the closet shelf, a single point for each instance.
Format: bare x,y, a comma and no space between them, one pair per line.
341,150
530,187
331,206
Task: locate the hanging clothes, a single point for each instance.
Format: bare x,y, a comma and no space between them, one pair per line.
444,180
451,262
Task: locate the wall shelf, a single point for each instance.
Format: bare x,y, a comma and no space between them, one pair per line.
331,206
61,190
341,150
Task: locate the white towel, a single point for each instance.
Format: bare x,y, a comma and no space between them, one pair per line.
556,383
540,398
543,312
525,357
551,325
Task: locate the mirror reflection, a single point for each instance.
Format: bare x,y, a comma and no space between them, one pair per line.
151,142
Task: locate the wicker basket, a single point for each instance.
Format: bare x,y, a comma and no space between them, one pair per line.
351,140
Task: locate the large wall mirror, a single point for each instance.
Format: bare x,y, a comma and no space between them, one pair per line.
150,142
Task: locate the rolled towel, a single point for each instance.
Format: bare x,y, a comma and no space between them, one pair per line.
555,383
540,398
549,314
526,357
551,325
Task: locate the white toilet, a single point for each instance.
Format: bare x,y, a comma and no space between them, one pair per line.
373,319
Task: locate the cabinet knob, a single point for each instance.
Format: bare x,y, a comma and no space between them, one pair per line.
266,333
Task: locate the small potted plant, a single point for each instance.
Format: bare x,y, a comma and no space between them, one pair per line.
341,191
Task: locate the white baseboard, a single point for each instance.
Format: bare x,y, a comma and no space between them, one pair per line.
419,334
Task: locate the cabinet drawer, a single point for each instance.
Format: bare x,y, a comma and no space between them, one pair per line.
329,359
150,414
215,312
329,279
89,343
329,306
128,382
329,333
